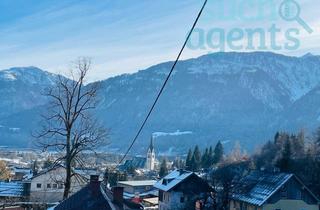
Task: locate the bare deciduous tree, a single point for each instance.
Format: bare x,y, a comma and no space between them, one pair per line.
4,171
68,126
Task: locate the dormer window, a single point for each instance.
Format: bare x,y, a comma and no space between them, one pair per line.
164,181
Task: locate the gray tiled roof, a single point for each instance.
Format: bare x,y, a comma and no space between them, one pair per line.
136,162
11,189
258,187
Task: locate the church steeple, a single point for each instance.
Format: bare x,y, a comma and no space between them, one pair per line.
151,156
151,147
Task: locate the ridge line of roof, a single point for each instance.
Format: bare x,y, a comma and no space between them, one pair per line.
275,190
298,179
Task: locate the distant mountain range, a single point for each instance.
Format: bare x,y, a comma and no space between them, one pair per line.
222,96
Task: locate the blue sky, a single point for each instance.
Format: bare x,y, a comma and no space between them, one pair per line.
121,36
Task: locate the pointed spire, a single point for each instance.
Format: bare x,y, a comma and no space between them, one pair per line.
151,147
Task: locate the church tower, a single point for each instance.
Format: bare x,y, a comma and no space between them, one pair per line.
151,156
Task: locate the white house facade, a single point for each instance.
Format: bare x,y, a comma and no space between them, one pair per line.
48,186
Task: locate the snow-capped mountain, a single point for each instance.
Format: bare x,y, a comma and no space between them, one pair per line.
221,96
20,89
20,101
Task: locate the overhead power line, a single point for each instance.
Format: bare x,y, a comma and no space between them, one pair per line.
163,85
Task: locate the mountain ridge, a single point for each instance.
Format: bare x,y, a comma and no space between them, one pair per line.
220,96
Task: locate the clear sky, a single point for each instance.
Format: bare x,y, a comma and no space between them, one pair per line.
123,36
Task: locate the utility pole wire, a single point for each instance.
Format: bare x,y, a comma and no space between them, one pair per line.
164,85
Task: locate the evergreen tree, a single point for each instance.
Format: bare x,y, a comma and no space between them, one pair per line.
218,153
276,137
188,160
205,159
284,163
196,159
163,168
265,159
210,157
281,139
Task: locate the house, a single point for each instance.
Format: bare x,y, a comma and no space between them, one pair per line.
181,189
96,196
272,191
19,172
48,185
137,187
141,192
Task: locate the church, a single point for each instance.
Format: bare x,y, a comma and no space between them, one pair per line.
148,162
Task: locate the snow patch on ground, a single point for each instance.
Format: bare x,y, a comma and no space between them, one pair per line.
14,129
7,76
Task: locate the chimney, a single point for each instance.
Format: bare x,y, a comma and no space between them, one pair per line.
118,195
94,184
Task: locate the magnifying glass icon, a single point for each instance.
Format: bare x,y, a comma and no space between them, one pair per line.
290,10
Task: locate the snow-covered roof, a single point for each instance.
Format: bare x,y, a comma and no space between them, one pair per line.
22,170
85,171
11,189
127,195
78,171
138,183
32,176
257,187
172,179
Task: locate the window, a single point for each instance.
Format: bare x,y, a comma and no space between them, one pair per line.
38,185
299,195
182,200
55,186
61,186
48,185
283,192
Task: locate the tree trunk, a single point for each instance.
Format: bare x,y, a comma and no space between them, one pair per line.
67,184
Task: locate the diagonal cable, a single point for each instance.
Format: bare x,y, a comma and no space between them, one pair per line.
163,85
